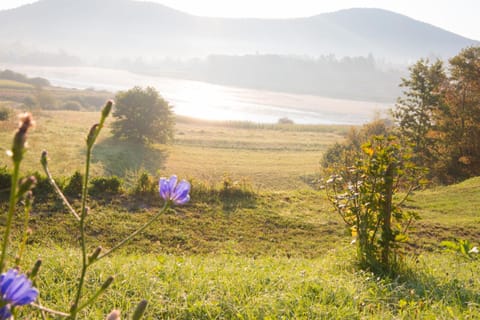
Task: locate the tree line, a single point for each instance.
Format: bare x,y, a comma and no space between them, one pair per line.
438,115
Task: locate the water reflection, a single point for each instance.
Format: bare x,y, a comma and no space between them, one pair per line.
215,102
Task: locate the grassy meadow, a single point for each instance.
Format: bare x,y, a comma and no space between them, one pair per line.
278,252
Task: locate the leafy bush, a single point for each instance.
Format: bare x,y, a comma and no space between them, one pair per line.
109,185
363,196
143,116
145,184
5,113
344,154
43,187
71,105
75,185
5,180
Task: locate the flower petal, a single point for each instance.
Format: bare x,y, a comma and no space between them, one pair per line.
164,189
6,280
180,194
5,313
172,182
20,291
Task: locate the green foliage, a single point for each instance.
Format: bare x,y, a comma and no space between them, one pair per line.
11,75
439,114
5,113
143,115
109,185
459,121
43,188
75,185
71,105
145,184
363,196
463,247
233,286
345,154
414,113
5,180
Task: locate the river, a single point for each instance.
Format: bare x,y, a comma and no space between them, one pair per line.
215,102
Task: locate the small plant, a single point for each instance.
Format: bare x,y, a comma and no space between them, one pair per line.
463,247
144,184
364,196
74,185
109,185
5,113
16,289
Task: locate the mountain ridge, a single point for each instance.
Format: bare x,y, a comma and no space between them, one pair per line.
129,28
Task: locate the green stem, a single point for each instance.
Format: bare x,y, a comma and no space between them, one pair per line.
130,237
11,211
26,218
51,311
97,294
82,235
59,192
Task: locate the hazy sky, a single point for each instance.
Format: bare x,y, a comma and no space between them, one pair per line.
459,16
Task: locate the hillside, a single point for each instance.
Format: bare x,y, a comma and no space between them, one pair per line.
249,253
103,28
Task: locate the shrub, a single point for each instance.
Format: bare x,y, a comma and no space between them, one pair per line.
75,184
145,184
143,116
5,180
72,105
109,185
363,195
5,113
43,187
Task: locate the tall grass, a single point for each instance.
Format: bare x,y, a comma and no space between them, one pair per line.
229,286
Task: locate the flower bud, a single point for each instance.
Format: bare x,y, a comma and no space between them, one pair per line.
107,283
43,159
20,138
140,310
114,315
106,110
95,254
92,135
25,185
35,269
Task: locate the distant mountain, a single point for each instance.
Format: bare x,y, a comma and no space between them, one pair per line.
125,28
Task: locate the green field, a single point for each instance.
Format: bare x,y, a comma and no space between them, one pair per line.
280,253
271,157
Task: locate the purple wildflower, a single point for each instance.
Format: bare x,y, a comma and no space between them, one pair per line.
15,290
171,191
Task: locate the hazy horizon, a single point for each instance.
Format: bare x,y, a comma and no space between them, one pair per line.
455,16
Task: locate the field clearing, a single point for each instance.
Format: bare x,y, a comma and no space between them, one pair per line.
11,84
280,253
270,158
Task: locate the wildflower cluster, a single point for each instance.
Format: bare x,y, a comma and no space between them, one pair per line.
16,289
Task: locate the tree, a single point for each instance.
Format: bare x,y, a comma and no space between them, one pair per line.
414,113
459,121
363,196
143,115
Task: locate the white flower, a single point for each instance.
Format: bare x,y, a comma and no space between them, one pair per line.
474,250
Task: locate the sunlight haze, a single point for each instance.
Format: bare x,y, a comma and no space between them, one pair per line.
460,16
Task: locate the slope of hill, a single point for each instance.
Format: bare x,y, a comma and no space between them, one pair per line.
125,27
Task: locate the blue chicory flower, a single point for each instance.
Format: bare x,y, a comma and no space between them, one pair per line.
171,191
15,290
